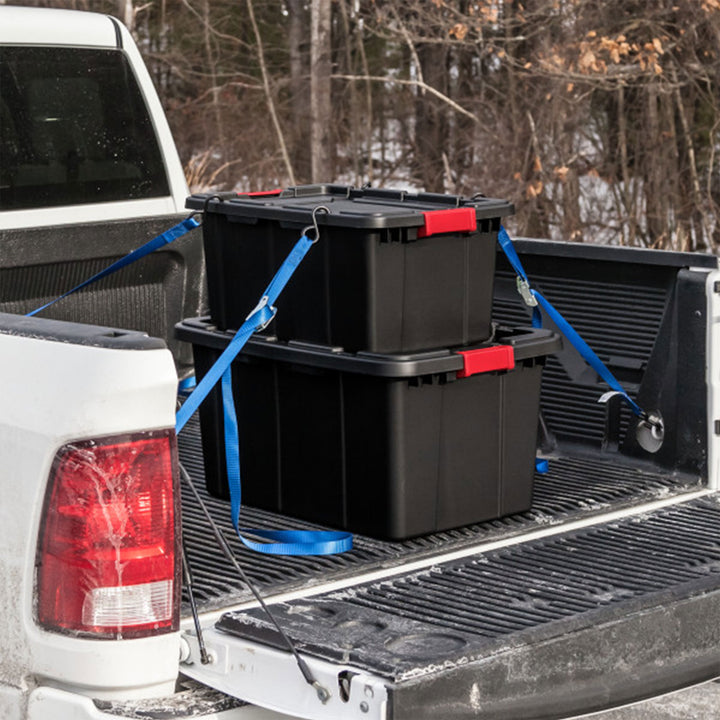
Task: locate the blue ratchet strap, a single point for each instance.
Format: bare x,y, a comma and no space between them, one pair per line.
283,542
541,465
187,384
535,300
165,238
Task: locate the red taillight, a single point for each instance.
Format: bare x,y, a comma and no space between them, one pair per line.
108,561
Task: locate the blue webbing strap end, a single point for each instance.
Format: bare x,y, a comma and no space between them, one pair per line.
281,542
175,232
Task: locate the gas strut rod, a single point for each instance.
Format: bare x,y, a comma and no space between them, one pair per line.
322,692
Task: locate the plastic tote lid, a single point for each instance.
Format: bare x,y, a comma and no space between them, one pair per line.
365,208
508,347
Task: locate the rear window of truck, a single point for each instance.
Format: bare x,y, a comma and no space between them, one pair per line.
74,129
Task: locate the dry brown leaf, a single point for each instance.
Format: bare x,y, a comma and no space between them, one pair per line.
533,189
460,31
587,60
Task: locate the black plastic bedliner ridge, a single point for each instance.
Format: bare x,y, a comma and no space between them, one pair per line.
614,253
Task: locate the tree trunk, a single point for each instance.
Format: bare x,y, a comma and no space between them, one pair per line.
346,43
431,126
628,193
658,231
300,121
320,99
219,145
463,155
126,13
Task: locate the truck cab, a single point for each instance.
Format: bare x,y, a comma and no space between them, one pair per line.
88,172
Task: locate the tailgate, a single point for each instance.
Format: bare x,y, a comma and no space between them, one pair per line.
559,625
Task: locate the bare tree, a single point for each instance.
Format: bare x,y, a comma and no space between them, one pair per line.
321,116
298,49
600,121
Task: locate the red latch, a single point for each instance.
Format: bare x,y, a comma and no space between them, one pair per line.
447,221
260,193
497,357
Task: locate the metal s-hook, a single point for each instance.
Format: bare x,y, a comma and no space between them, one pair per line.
214,196
208,199
314,226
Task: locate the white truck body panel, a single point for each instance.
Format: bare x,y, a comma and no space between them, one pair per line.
32,26
713,378
95,392
49,703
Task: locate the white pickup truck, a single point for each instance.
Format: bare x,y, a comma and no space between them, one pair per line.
606,592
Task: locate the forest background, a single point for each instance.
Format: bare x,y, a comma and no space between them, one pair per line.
598,119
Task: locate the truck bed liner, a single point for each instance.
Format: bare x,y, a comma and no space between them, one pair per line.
574,488
527,631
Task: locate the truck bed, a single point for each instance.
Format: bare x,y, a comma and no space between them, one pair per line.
606,591
626,303
574,489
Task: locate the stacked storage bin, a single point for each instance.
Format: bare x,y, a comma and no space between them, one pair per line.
381,399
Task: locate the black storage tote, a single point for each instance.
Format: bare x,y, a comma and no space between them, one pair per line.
390,446
393,271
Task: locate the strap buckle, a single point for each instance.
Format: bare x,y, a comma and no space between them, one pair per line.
523,287
264,300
